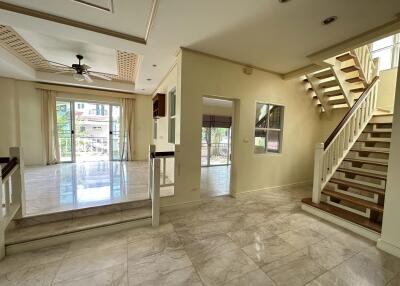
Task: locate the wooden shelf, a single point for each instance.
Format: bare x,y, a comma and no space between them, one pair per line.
159,105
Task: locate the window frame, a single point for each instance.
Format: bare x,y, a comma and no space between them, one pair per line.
171,117
267,129
395,51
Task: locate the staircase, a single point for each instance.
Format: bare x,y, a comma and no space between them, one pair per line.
356,190
343,82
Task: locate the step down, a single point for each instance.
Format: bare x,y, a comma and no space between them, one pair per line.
353,200
344,214
345,57
361,187
363,161
350,69
328,84
324,74
363,173
67,227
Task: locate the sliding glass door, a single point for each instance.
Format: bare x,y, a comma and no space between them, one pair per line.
216,149
88,131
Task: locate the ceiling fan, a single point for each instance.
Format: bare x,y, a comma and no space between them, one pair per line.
80,71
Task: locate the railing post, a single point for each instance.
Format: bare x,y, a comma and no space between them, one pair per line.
152,149
17,182
318,165
2,226
156,193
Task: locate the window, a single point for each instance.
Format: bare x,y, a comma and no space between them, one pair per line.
155,129
387,50
268,128
171,116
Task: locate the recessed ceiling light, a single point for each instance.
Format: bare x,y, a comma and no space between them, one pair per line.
154,65
329,20
149,79
143,89
283,1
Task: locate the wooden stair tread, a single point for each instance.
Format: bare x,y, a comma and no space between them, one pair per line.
383,130
344,214
363,173
357,90
354,79
324,74
337,101
375,140
345,57
329,83
370,162
333,93
353,200
369,150
358,186
350,69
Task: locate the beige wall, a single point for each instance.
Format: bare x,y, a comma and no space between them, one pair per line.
217,110
20,117
387,89
206,76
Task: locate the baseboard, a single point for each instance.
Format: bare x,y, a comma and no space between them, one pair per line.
365,232
388,247
274,188
64,238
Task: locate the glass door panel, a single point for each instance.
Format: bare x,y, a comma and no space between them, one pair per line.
219,146
65,130
92,128
115,134
205,150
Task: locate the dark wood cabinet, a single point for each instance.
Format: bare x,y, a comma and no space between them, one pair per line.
159,105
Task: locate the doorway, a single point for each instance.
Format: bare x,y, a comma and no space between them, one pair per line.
88,131
216,147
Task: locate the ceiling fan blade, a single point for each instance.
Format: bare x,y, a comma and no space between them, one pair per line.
58,64
65,71
98,75
87,78
86,67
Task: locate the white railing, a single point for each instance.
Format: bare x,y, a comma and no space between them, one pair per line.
369,68
11,191
159,179
329,155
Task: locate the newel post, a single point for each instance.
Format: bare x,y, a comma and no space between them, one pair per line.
318,165
152,149
18,182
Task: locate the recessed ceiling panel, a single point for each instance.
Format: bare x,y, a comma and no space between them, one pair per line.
128,16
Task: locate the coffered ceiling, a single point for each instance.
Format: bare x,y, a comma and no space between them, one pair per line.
264,33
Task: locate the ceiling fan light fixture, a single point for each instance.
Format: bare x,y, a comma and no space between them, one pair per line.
78,77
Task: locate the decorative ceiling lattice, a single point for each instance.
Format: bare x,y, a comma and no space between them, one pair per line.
15,44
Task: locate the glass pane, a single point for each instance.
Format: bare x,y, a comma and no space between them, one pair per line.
274,141
260,141
64,128
171,138
385,58
92,127
204,146
386,42
172,103
115,131
261,115
219,146
275,116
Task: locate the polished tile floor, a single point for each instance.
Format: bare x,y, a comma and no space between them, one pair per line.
262,238
215,181
70,186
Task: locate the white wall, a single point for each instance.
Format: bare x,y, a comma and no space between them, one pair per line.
206,76
390,239
387,89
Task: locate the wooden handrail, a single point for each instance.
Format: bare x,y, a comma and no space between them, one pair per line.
163,154
8,168
349,114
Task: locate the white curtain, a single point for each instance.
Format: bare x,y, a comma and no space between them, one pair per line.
49,127
127,129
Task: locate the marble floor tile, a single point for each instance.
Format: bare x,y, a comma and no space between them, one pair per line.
253,278
329,253
383,259
268,250
41,275
360,270
112,276
250,235
215,181
221,268
395,281
91,262
158,267
147,232
295,269
301,237
328,279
